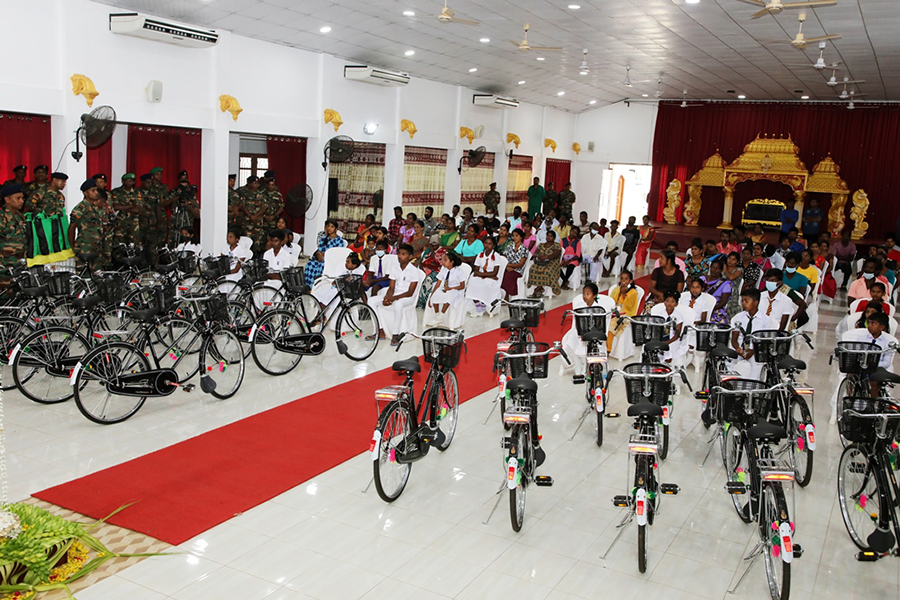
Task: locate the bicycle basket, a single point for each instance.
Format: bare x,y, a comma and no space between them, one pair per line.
215,308
60,283
854,357
256,269
187,262
350,287
519,364
647,328
217,266
448,348
165,297
767,349
527,311
733,407
589,318
710,335
862,430
110,288
653,390
293,279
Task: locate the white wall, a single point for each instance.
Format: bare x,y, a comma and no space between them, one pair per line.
282,91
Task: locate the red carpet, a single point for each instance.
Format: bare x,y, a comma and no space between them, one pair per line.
190,487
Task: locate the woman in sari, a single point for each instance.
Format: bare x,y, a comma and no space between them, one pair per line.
419,241
516,255
545,270
752,272
627,299
696,264
450,237
718,287
503,238
760,258
648,233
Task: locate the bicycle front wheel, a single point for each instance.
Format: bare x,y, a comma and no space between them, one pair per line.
596,373
800,419
850,386
391,435
273,330
177,343
222,360
858,494
517,494
448,408
45,359
101,369
357,331
12,331
309,308
739,471
774,511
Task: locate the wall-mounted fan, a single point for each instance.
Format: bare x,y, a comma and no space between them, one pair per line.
472,158
337,150
96,127
378,200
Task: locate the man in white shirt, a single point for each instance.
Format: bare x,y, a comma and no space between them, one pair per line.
593,247
874,333
775,303
401,294
749,320
277,257
236,253
614,243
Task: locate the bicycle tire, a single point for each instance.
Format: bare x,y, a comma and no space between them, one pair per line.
850,386
774,509
273,325
803,467
741,470
242,317
222,353
448,409
35,359
355,325
263,296
858,488
97,371
642,474
178,346
307,306
517,494
596,373
12,331
642,548
392,430
664,441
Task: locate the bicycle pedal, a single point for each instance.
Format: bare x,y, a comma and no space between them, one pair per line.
867,556
507,443
621,501
189,387
435,438
670,489
577,379
612,415
543,480
736,488
701,395
798,551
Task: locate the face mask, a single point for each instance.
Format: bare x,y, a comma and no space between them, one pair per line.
868,275
771,285
379,253
790,269
185,239
596,231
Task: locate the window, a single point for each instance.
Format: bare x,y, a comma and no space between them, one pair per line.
252,164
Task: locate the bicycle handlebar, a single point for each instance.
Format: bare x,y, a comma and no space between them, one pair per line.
677,371
460,337
555,347
574,312
780,338
721,390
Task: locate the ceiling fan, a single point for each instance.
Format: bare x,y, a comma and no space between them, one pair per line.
684,102
658,93
833,82
800,41
774,7
849,95
525,47
820,63
851,105
584,69
447,13
628,82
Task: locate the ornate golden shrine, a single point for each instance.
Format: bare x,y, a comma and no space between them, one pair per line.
774,159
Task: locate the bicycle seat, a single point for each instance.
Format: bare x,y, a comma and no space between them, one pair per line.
594,336
766,431
645,409
656,346
35,292
884,376
512,324
522,383
164,269
146,315
410,365
86,302
87,257
791,363
723,352
130,261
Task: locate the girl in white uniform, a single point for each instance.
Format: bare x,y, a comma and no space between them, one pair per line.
484,285
450,287
669,311
237,254
571,342
701,305
352,266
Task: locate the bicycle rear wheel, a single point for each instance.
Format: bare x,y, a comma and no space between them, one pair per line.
12,331
522,440
663,440
357,329
222,360
774,511
100,368
272,328
596,374
739,470
858,494
177,343
45,359
309,308
241,317
800,418
391,434
448,408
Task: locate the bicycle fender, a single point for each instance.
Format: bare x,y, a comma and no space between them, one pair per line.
75,371
252,333
12,355
787,545
373,446
512,468
640,506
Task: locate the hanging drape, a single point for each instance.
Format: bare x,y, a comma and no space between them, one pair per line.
172,148
424,179
99,160
476,181
517,182
24,140
558,173
287,157
864,142
358,180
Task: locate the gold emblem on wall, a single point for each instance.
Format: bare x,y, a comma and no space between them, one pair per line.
465,132
548,143
576,147
512,138
692,209
83,86
408,126
230,104
673,201
334,117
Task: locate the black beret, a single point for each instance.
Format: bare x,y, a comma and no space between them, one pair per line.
270,174
252,178
88,184
146,176
9,190
58,175
232,176
99,176
44,167
20,168
183,172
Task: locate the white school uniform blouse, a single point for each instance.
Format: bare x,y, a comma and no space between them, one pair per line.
238,254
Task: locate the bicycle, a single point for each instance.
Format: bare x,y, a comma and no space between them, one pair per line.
755,469
643,499
406,429
527,362
867,487
647,332
112,381
590,325
279,339
859,362
524,315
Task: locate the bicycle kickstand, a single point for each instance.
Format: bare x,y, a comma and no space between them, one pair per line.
497,503
750,558
711,444
621,527
588,410
368,485
494,404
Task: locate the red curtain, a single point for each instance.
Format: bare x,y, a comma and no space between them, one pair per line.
99,160
558,173
863,142
172,148
24,140
287,157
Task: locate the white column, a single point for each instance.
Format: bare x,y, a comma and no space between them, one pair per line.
393,181
120,164
234,153
214,185
62,131
453,182
316,176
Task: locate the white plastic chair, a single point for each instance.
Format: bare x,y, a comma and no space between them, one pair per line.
335,264
521,288
856,303
495,292
455,315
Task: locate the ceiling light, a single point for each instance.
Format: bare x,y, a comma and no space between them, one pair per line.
804,97
583,72
692,1
370,128
409,13
484,40
540,58
521,82
560,93
574,6
645,95
325,29
409,52
741,96
592,102
473,69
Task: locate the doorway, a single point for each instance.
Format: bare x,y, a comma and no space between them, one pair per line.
624,191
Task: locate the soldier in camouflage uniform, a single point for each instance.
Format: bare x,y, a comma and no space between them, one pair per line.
492,199
19,172
151,218
551,200
566,201
156,184
235,214
92,220
12,233
51,201
274,204
128,202
254,208
39,185
184,207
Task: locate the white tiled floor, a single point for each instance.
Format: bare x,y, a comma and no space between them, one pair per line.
326,539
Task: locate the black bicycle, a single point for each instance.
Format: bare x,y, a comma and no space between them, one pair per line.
524,315
590,325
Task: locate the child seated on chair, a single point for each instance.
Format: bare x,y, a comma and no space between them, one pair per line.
352,266
400,295
449,290
749,320
572,344
377,276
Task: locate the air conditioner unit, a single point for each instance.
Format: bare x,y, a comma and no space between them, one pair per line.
375,75
492,101
161,30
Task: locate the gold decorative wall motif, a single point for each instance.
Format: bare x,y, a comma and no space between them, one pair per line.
836,217
858,214
673,201
82,85
334,117
230,104
409,127
692,210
